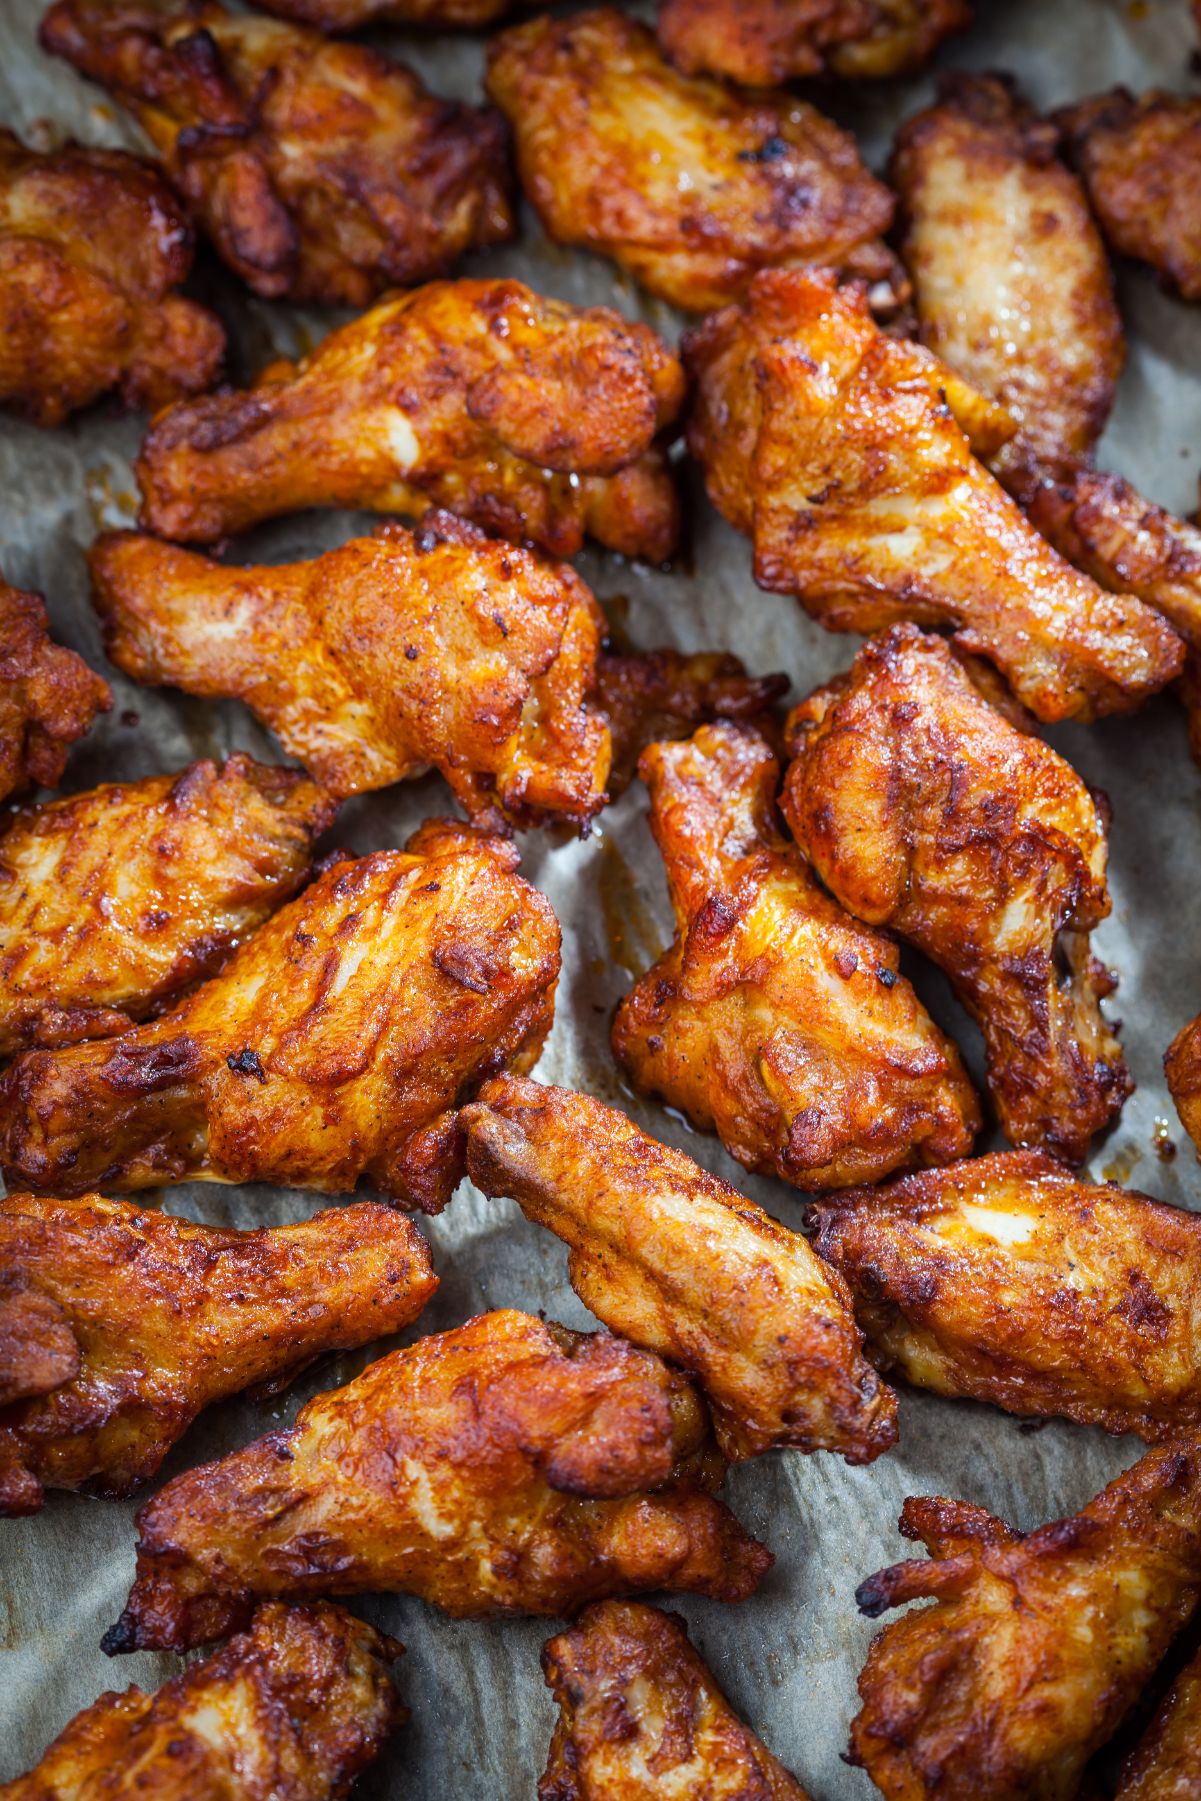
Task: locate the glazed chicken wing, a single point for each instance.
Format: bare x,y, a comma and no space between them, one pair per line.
48,695
499,1468
1166,1764
775,1019
682,182
760,42
679,1262
640,1717
92,248
533,418
321,172
840,451
292,1709
115,901
333,1046
664,694
149,1319
1035,1648
925,812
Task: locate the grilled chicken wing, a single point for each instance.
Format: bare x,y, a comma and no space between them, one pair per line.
662,694
687,185
640,1717
533,418
290,1710
925,812
114,901
775,1019
92,247
764,41
151,1319
321,172
1166,1764
840,451
1035,1648
679,1262
48,695
498,1468
333,1046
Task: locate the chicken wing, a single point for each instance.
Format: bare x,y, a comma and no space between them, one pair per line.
689,186
154,1318
1182,1066
48,696
925,812
533,418
679,1262
1166,1764
761,42
290,1710
435,15
115,901
1035,1648
498,1468
775,1019
663,694
640,1717
321,172
92,247
840,451
333,1046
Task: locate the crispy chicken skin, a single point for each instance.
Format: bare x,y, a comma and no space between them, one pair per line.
1182,1066
48,695
775,1019
154,1318
435,15
495,1469
665,694
926,813
92,246
1166,1764
679,1262
1011,281
764,41
1009,1279
530,417
641,1717
115,901
292,1709
687,185
333,1046
382,657
844,454
322,172
1035,1648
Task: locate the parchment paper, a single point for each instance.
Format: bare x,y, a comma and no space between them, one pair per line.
788,1658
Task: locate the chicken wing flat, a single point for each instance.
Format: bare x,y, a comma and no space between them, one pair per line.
290,1710
321,172
641,1717
689,186
925,812
1011,281
765,41
664,694
775,1019
679,1262
1035,1648
1166,1764
92,246
153,1318
499,1468
530,417
115,901
48,695
333,1046
841,452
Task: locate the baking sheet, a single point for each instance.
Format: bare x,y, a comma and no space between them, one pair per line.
788,1658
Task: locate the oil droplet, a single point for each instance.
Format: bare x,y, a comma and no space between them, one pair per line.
1164,1143
1121,1163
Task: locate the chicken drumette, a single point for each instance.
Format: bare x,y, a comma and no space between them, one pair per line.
48,695
758,42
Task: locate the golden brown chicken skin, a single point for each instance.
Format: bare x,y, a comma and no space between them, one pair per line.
500,1468
775,1019
926,813
292,1709
1182,1066
679,1262
1035,1648
93,245
1166,1763
321,172
687,185
48,695
434,15
150,1319
665,694
530,417
333,1047
116,900
640,1717
765,41
841,452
